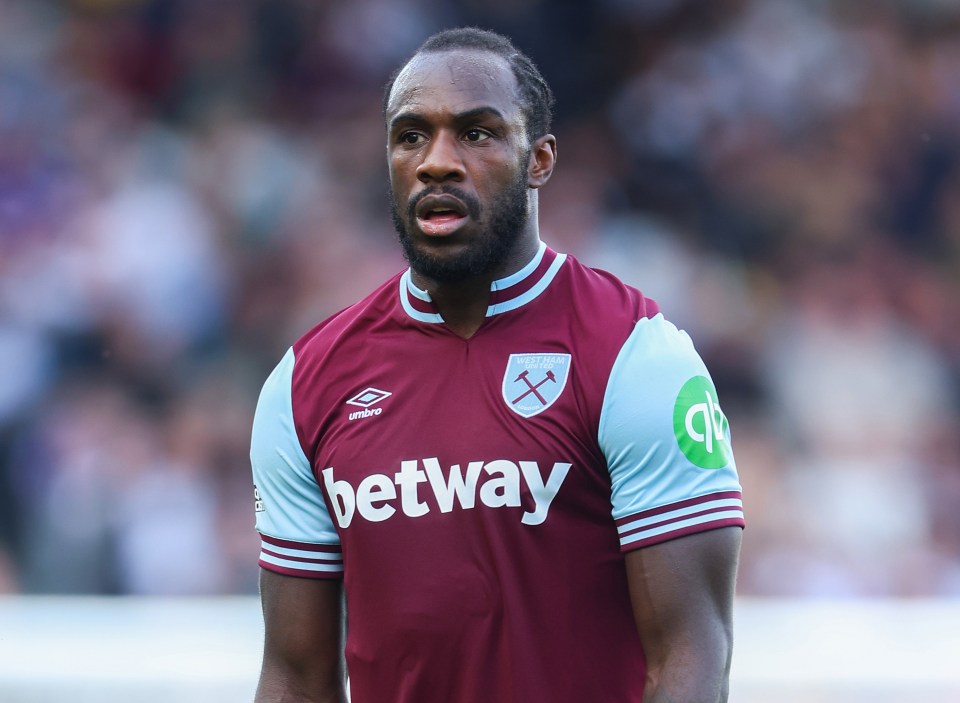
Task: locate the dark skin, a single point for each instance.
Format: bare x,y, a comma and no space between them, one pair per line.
455,118
303,651
682,595
459,123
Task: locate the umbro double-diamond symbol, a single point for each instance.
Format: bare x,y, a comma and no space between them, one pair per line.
365,399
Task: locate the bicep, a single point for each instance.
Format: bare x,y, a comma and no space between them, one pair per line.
303,646
682,595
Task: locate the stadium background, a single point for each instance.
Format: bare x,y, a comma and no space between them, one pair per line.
186,186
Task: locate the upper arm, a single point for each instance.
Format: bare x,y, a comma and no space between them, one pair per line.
303,643
301,560
676,500
666,441
682,596
297,534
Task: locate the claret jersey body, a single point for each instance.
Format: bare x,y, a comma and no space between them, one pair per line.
476,495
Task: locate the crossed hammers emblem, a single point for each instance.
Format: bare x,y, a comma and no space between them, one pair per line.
532,387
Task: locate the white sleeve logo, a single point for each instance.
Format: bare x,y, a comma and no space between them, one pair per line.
700,426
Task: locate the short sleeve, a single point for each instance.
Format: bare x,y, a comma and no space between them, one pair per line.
297,535
666,441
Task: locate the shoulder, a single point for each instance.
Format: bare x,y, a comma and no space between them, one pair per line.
601,292
655,340
348,324
656,363
600,310
667,440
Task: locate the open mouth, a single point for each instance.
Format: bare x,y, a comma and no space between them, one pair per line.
440,215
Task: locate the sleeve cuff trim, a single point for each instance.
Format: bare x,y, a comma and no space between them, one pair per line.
301,573
285,564
680,529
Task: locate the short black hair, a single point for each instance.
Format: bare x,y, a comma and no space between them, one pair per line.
537,97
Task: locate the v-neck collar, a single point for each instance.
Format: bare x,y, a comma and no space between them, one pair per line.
506,294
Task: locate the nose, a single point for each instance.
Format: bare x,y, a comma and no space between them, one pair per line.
441,160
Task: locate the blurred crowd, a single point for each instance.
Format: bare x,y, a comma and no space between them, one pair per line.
188,185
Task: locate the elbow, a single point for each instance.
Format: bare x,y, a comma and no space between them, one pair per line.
693,672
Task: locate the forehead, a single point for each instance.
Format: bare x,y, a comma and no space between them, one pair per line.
453,82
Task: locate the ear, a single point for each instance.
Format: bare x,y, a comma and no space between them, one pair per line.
543,157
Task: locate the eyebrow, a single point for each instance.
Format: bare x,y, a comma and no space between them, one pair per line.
459,117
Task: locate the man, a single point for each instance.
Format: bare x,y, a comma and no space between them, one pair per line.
516,469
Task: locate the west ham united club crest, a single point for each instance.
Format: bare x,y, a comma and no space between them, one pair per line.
533,382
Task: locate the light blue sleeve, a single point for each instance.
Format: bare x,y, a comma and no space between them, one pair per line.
298,536
666,440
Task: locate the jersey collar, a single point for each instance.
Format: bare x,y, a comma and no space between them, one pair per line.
510,293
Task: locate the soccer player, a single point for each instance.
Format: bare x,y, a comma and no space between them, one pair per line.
515,469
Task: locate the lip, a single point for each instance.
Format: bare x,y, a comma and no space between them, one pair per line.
444,224
444,201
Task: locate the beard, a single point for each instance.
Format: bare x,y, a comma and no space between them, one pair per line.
508,216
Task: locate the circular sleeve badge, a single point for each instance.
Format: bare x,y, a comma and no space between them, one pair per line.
700,426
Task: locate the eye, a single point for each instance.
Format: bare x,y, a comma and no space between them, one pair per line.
476,135
410,138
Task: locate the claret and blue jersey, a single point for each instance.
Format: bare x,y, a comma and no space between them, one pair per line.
476,495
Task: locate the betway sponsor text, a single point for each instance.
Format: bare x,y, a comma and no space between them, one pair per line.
379,496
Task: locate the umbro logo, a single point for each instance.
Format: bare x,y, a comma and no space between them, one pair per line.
365,399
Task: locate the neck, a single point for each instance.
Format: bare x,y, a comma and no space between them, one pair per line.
463,303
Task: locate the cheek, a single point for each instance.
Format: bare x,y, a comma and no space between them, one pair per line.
504,178
399,184
401,167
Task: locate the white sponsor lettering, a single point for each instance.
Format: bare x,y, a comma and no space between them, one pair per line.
376,498
376,488
503,490
366,412
342,496
409,476
463,489
543,493
713,419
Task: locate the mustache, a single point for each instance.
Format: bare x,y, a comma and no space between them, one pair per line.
472,203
